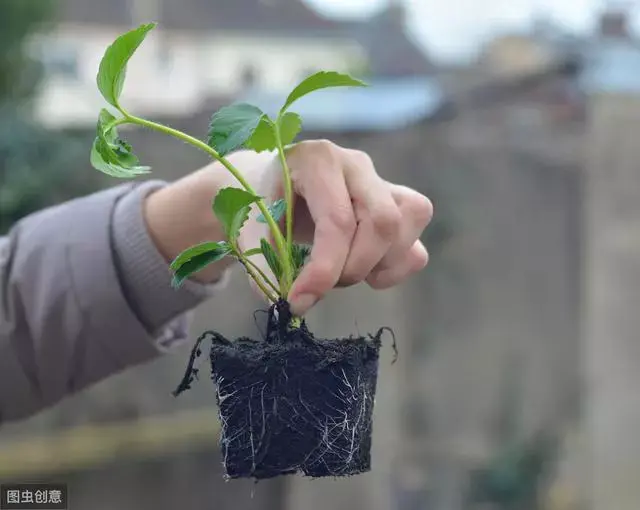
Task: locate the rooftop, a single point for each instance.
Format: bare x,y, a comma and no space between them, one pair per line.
249,15
385,105
391,50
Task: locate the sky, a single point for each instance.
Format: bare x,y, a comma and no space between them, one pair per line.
452,29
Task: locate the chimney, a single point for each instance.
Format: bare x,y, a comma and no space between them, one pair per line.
614,24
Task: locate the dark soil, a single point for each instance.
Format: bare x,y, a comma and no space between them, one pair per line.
293,403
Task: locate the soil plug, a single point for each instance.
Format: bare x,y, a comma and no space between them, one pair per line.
289,402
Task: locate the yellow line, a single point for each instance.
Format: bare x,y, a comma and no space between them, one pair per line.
88,446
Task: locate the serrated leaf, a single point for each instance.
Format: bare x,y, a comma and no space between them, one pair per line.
321,80
220,247
231,206
299,255
277,210
271,258
264,136
112,155
290,126
197,261
234,126
113,67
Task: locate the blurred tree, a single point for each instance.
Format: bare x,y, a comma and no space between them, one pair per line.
38,167
19,72
512,479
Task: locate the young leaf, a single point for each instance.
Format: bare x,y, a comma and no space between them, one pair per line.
299,255
236,126
110,154
290,126
271,258
199,249
277,210
113,66
197,258
264,137
252,252
231,206
321,80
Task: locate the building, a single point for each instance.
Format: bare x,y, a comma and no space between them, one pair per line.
205,53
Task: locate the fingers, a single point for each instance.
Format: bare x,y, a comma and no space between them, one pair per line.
323,186
378,218
414,260
416,212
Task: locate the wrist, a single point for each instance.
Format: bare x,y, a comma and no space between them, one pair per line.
179,216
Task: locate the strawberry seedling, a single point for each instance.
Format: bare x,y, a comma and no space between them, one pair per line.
290,402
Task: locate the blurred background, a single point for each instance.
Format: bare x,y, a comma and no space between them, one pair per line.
517,386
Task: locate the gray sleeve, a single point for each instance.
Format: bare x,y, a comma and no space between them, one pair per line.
84,294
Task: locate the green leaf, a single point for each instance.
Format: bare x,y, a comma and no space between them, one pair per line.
290,126
199,249
196,258
231,206
277,210
321,80
252,252
112,155
264,136
234,126
113,67
299,255
195,264
271,258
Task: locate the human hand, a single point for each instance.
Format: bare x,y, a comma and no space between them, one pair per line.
363,228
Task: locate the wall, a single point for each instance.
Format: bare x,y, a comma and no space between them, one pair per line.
174,73
504,288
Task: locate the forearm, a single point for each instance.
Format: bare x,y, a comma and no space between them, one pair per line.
84,294
180,216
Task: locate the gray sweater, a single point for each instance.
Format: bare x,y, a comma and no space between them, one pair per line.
84,294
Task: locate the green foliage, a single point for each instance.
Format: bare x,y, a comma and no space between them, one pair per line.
38,167
265,137
252,252
235,126
112,155
299,254
231,206
197,258
19,73
277,210
113,68
290,125
271,258
321,80
512,478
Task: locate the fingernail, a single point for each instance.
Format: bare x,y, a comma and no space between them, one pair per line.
303,303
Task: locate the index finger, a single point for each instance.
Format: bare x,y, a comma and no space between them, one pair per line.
329,203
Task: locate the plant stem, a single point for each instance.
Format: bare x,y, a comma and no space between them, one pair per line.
256,279
260,272
281,245
115,123
288,188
